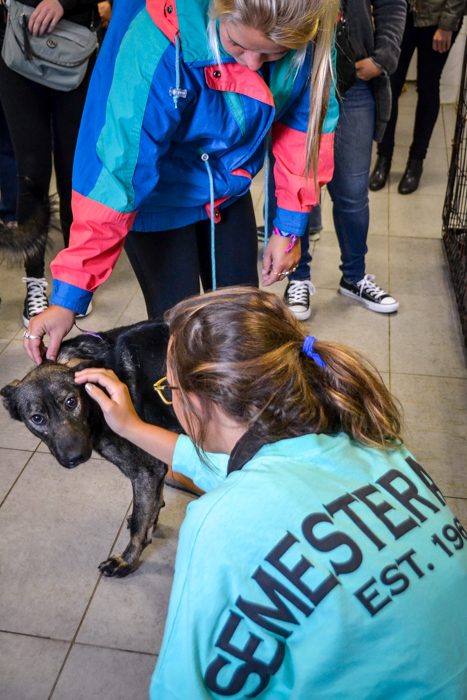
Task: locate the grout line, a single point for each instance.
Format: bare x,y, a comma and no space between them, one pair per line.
91,598
81,644
431,376
19,475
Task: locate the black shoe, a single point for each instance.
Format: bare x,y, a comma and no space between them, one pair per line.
380,174
369,294
411,177
297,297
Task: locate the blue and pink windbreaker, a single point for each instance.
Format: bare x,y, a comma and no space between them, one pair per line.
158,101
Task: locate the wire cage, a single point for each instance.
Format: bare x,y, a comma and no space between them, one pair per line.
455,205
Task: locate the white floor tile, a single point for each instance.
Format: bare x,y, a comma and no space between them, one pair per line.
29,666
91,673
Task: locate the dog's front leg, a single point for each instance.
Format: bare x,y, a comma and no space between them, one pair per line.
147,488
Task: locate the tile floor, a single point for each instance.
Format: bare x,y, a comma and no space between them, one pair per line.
68,634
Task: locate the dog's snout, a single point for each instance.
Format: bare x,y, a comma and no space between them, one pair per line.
73,461
73,451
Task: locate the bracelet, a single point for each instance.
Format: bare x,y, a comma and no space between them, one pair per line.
292,236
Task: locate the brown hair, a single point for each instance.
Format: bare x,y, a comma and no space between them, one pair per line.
293,24
241,349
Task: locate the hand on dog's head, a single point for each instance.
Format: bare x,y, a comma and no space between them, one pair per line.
54,409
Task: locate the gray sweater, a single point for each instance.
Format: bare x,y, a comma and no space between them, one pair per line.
375,31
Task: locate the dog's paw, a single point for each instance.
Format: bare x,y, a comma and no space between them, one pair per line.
116,566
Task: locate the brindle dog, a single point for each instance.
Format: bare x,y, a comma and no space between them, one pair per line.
71,424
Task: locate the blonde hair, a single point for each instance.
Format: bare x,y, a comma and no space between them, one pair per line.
293,24
241,349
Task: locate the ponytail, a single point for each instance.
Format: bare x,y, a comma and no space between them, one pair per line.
241,349
353,396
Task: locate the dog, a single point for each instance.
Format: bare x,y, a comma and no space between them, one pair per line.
71,424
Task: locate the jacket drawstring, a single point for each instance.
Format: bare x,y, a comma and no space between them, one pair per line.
177,91
267,167
205,159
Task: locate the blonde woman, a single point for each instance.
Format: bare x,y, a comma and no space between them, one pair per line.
322,561
182,100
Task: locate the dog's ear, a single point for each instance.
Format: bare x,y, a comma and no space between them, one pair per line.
9,398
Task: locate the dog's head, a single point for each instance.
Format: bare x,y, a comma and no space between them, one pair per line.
55,409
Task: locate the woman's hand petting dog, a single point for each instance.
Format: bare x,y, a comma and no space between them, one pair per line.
116,405
121,417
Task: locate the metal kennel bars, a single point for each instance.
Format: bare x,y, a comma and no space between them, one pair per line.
455,205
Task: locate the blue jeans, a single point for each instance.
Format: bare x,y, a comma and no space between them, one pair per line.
349,186
8,178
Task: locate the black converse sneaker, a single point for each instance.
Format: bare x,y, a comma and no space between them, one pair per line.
368,293
297,297
36,298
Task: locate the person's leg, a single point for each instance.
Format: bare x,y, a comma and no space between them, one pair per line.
8,175
166,266
349,193
315,223
385,147
299,289
430,65
27,111
67,108
408,45
349,186
236,246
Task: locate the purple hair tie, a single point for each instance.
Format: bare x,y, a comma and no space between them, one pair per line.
308,345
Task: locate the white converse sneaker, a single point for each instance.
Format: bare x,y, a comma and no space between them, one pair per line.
36,298
297,297
368,293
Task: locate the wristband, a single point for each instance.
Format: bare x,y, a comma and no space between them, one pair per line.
292,236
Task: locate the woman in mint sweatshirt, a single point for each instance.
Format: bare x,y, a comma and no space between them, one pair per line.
322,560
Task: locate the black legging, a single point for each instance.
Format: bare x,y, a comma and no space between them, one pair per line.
430,65
42,121
170,264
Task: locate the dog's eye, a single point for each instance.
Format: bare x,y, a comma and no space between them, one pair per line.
38,419
71,402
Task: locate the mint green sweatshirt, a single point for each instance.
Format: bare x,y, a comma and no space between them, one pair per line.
321,570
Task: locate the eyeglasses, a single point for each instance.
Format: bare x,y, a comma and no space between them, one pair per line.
164,390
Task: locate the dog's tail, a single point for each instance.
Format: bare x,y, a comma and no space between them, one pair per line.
19,243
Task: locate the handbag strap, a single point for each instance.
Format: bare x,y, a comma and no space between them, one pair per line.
27,50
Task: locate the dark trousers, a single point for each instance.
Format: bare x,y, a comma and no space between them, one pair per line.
169,265
8,186
42,122
430,65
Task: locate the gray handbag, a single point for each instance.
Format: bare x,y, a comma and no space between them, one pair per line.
57,60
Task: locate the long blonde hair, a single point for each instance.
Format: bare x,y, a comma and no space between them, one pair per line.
241,349
293,24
